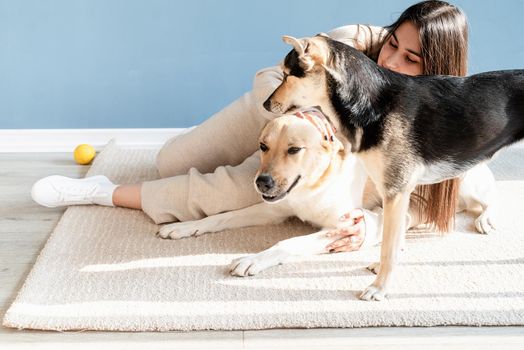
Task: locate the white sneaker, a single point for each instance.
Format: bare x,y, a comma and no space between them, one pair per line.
58,191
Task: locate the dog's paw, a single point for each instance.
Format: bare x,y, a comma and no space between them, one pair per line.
179,230
374,267
252,264
373,293
246,266
484,223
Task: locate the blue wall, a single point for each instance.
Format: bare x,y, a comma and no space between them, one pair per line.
159,63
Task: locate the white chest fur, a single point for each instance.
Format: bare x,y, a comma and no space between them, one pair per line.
342,192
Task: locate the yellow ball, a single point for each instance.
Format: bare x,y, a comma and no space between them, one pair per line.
84,154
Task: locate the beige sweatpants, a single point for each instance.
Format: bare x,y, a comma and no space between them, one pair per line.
211,169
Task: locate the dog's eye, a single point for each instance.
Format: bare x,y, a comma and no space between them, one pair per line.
293,150
263,147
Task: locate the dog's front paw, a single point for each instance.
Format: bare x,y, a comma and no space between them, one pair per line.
374,267
246,266
484,223
179,230
252,264
373,293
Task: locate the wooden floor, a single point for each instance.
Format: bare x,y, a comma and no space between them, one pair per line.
25,226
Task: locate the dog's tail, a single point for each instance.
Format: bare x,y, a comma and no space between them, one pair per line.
437,204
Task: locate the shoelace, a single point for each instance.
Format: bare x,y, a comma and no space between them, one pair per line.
75,193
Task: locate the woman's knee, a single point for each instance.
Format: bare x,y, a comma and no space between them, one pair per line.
167,163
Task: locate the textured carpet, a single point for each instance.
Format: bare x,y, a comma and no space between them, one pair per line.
104,269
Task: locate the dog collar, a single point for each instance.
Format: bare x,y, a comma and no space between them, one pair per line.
319,120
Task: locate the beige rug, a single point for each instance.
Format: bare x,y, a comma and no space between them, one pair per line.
104,269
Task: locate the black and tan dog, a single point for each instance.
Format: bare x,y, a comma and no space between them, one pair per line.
406,130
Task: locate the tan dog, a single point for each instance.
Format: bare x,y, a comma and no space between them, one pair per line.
303,172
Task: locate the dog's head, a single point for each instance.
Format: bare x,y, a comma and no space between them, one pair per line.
297,153
305,81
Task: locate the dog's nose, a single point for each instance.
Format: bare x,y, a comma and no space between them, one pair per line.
265,182
267,105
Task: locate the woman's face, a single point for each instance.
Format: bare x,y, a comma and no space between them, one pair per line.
401,53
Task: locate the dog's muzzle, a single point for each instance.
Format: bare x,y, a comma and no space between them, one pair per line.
265,183
267,105
277,107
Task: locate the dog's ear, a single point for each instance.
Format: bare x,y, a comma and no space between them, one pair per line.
309,52
316,51
335,146
297,44
339,145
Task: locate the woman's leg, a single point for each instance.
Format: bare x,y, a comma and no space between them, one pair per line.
178,198
128,196
208,154
227,138
212,161
211,168
59,191
195,195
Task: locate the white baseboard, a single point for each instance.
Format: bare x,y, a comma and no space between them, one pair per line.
65,140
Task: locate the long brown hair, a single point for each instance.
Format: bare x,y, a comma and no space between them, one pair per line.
443,31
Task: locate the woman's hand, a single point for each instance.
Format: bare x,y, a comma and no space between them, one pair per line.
352,235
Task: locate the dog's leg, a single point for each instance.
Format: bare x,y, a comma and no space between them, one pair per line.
478,188
395,209
258,214
311,244
484,223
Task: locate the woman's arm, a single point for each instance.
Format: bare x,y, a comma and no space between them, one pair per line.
362,37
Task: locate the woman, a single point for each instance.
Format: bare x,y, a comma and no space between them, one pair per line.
211,168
